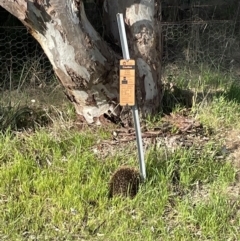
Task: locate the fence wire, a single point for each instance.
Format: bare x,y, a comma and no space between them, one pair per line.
215,43
22,59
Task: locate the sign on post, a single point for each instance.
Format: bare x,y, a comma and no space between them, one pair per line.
127,89
127,82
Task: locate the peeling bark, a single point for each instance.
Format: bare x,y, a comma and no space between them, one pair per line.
85,64
143,28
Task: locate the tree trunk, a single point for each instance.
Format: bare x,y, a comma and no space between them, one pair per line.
142,20
84,63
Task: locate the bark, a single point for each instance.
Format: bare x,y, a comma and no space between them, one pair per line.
84,63
142,18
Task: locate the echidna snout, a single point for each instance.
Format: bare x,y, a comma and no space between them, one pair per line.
124,182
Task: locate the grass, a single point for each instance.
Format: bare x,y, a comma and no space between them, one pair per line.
56,189
54,186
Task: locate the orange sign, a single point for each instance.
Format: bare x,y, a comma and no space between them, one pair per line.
127,82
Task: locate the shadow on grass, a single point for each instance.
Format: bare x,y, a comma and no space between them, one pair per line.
174,96
233,93
22,118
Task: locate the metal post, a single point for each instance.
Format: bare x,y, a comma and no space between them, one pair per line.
124,44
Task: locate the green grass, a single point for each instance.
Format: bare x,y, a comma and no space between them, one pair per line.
55,187
223,110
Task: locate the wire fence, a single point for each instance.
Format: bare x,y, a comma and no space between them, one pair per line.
214,42
21,59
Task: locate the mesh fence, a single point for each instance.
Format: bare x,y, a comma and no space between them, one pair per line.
21,58
215,43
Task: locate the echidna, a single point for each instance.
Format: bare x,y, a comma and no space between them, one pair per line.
124,182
